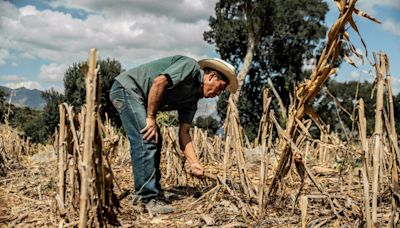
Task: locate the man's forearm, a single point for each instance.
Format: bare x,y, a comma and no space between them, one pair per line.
186,144
156,93
187,148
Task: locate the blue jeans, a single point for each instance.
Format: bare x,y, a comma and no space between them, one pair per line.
145,155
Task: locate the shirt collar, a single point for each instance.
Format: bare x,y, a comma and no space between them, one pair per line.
201,78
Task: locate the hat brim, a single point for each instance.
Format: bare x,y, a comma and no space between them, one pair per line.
222,68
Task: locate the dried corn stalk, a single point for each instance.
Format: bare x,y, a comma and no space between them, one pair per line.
307,91
12,145
84,145
378,135
365,167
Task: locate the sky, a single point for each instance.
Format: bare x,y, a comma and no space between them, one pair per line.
40,39
384,37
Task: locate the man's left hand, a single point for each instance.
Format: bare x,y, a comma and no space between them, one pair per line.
150,131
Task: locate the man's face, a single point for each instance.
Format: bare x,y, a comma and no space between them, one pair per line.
212,86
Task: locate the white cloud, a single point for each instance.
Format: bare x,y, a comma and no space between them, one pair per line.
396,86
26,84
132,32
179,10
207,107
4,54
27,11
52,72
392,27
355,74
309,64
57,88
12,78
358,61
369,6
8,10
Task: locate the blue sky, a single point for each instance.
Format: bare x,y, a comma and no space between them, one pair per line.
40,39
383,37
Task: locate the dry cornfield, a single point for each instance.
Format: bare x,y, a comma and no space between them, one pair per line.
286,178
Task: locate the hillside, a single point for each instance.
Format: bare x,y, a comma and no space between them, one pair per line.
23,97
207,107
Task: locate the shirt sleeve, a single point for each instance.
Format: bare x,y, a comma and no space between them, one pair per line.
187,115
181,69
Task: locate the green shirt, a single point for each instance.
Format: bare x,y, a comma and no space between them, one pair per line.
183,92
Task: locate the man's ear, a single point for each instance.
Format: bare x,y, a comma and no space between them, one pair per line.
209,76
213,74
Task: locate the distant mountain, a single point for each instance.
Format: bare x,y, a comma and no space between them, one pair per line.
32,98
207,107
23,97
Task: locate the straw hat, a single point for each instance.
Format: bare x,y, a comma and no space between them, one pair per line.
223,67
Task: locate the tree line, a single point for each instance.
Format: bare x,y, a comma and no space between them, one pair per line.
40,125
335,105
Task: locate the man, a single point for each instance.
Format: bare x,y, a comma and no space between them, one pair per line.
171,83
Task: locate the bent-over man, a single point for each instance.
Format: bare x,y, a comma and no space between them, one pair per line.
171,83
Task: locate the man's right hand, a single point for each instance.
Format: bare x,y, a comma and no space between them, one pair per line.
150,131
197,169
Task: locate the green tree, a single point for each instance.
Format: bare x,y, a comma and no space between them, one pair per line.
167,119
29,122
51,114
75,91
339,98
286,34
3,96
20,116
36,129
396,104
41,126
74,85
207,123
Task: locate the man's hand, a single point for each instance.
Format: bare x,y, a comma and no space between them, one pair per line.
197,169
150,130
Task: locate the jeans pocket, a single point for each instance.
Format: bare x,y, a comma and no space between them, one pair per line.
117,98
118,104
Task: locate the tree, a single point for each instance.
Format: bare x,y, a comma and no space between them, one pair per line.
35,133
75,91
207,123
40,127
29,122
3,96
51,114
168,119
20,116
396,104
286,34
339,98
74,86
